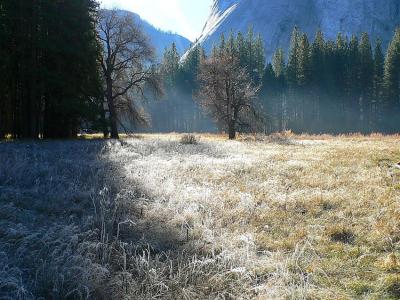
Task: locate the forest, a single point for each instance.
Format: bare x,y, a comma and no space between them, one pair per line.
319,86
48,61
59,78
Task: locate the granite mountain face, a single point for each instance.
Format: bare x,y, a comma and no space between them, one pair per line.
275,19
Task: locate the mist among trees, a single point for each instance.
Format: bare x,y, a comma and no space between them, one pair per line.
64,72
347,85
319,86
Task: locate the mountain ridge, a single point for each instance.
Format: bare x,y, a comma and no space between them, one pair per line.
275,19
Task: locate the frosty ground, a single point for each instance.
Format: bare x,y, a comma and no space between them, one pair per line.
279,217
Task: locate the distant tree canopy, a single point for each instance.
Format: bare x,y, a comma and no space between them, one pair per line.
180,111
319,86
334,86
227,89
50,81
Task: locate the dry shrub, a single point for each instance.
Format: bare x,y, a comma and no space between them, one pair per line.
189,139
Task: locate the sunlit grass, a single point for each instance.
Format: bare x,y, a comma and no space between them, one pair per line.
263,217
335,196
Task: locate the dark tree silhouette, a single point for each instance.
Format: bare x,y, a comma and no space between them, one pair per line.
227,92
127,67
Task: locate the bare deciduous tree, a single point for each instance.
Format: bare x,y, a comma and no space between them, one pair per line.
228,94
127,67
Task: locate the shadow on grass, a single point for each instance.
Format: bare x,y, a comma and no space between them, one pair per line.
65,205
73,226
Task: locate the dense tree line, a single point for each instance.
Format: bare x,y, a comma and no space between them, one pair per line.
66,65
228,91
346,85
339,86
179,111
50,81
63,65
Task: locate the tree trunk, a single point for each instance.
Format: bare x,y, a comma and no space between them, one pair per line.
112,110
113,117
232,130
106,132
113,124
113,120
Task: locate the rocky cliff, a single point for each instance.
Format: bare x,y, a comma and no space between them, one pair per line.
275,19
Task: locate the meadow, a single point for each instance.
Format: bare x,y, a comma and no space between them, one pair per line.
166,217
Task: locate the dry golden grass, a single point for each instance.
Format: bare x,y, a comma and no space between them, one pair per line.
263,217
319,215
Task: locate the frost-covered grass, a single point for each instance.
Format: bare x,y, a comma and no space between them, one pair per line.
280,217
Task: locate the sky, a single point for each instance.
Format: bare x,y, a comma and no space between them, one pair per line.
185,17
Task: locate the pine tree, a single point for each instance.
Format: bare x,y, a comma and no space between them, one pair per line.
336,86
340,82
222,45
250,50
259,59
293,65
231,49
4,60
170,66
340,63
366,82
304,63
71,61
278,63
190,69
279,106
392,83
52,79
304,80
317,61
379,62
271,99
353,87
292,72
241,47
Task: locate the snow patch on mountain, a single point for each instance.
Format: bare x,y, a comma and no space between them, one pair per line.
275,19
217,16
